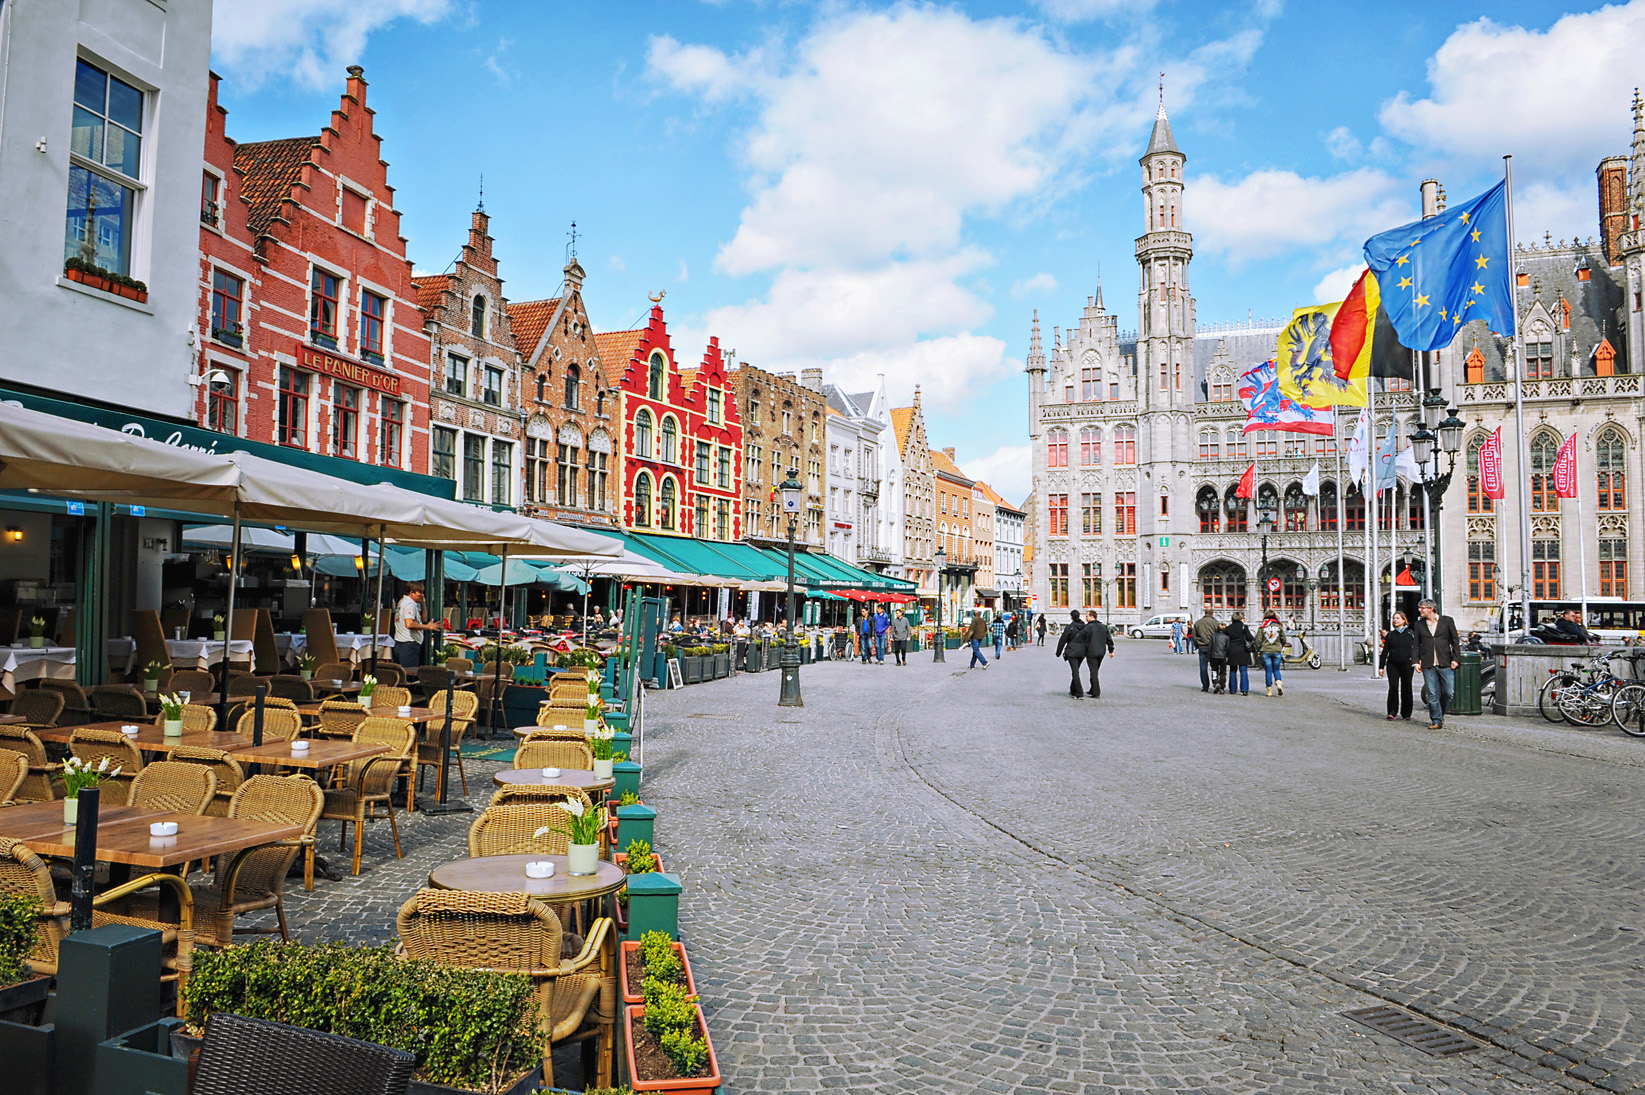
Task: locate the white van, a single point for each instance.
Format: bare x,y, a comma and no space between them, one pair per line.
1159,627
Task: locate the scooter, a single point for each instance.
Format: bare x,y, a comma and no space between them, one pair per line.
1307,656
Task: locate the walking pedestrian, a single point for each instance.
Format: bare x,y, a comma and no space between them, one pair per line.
901,632
1240,645
1013,628
1040,627
1205,627
1271,643
1399,656
1098,640
1437,649
997,629
865,636
1176,636
1071,645
976,633
1219,660
882,624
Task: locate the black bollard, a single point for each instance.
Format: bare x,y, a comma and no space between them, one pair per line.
85,859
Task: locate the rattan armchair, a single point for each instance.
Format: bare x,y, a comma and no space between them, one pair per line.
175,786
227,770
37,708
14,769
334,671
279,723
551,733
119,701
387,672
42,782
370,783
290,687
463,706
243,685
571,686
538,792
550,715
192,681
197,718
92,746
553,754
24,874
340,718
511,830
254,879
514,933
240,1054
388,695
76,704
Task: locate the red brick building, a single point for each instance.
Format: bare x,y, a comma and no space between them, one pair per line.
681,440
310,332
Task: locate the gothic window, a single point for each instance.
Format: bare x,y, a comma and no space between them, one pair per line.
1222,388
1352,588
1477,500
1327,507
572,381
1238,511
1609,452
1091,383
642,500
667,501
1222,588
1481,570
1545,569
1090,446
1058,442
1544,450
1613,567
1296,509
1539,360
1210,445
477,317
1125,444
1353,510
671,441
655,379
1209,509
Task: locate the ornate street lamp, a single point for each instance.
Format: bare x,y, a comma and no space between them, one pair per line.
793,500
1265,525
937,653
1445,436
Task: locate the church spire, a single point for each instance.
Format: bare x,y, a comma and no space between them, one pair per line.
1162,140
1036,351
1637,169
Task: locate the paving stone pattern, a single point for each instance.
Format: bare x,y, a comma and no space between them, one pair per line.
935,880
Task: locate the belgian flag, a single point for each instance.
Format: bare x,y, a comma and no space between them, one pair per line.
1363,342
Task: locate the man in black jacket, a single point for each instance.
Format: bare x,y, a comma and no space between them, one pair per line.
1438,646
1071,645
1098,641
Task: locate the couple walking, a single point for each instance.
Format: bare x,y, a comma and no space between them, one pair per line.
1085,641
1434,645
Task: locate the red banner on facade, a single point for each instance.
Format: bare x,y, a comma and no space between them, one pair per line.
1565,469
343,369
1247,483
1490,466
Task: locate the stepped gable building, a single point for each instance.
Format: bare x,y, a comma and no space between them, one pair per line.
682,435
1138,441
783,429
313,336
919,497
953,492
571,467
475,431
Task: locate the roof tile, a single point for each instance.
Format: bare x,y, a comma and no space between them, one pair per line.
268,170
530,318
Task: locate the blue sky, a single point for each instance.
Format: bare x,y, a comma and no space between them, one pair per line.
894,188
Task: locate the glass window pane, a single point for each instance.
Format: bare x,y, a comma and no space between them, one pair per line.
124,152
125,105
90,86
99,220
86,136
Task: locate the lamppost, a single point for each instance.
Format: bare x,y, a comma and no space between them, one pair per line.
793,498
937,652
1265,525
1447,432
1313,600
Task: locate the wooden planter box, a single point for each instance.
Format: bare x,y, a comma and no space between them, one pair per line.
691,669
722,665
23,1002
634,1017
626,955
753,663
27,1052
187,1047
951,644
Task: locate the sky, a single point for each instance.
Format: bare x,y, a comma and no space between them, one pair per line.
895,189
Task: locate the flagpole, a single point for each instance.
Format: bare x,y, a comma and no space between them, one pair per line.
1342,593
1373,603
1582,538
1519,407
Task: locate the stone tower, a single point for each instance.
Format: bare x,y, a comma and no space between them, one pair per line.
1035,368
1165,309
1631,244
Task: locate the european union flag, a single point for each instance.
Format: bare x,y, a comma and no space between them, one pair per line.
1439,273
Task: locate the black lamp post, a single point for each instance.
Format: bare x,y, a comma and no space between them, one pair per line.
1447,432
1265,525
938,654
793,498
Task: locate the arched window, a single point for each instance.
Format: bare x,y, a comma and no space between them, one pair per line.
658,365
1238,447
1058,442
1209,508
671,441
1477,500
1353,587
1296,509
1327,507
573,379
1125,444
1210,445
477,317
642,434
542,387
1267,499
1544,449
1609,453
642,500
1222,588
1293,590
1090,446
1238,510
1353,510
599,402
1091,382
667,499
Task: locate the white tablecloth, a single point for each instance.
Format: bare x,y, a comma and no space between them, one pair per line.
27,663
353,646
122,652
205,653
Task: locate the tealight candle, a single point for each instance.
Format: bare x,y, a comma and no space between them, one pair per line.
540,868
550,773
163,828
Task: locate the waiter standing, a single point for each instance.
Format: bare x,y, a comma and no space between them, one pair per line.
408,618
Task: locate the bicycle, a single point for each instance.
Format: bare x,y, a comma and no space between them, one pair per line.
1566,697
1628,705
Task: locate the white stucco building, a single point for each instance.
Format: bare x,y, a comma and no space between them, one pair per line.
870,474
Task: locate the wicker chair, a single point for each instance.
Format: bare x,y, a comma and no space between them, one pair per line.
241,1054
549,733
463,707
76,704
243,685
340,718
41,784
22,873
227,770
192,681
254,879
370,783
513,793
14,769
293,688
431,679
92,746
119,701
515,933
552,714
334,671
197,718
38,708
510,828
175,786
390,673
553,754
388,695
571,686
489,669
460,665
279,723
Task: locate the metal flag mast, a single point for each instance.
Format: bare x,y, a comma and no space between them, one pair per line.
1371,503
1342,591
1519,407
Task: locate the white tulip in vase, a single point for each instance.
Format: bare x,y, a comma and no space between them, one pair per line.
584,824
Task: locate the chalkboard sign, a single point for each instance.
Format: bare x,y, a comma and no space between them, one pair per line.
674,680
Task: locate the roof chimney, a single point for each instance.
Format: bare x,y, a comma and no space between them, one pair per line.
1430,198
1613,206
811,378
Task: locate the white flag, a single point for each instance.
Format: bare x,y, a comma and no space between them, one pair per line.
1359,448
1310,482
1405,465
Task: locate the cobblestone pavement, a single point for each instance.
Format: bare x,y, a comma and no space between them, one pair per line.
930,879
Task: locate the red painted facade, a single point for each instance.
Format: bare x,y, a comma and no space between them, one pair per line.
330,353
682,436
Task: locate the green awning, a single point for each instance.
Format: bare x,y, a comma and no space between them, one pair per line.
739,561
806,571
824,571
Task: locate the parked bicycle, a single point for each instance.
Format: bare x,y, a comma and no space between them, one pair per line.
1587,693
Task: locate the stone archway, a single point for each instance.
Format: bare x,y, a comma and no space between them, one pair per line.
1222,587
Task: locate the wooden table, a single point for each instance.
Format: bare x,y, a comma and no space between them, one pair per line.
126,839
506,874
40,819
11,720
204,699
568,777
418,714
333,685
151,738
322,752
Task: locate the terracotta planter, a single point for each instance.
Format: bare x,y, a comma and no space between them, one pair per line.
628,955
635,1015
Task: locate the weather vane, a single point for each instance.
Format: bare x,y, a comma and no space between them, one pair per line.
482,207
571,247
657,297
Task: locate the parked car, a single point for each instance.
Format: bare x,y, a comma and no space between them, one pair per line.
1159,627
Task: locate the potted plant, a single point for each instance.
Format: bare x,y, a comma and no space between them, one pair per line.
22,995
151,677
667,1044
368,688
305,666
655,956
171,706
592,712
37,631
77,776
583,830
600,743
639,859
217,625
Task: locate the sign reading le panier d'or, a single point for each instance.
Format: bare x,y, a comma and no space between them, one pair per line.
344,369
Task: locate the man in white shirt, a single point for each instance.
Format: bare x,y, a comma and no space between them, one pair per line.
408,618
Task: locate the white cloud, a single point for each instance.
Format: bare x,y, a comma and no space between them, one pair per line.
1042,282
1270,212
616,263
952,371
1080,11
1343,145
494,63
685,272
1557,210
1009,470
702,70
1557,97
1335,285
309,42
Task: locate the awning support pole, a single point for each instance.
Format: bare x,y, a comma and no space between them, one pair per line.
377,605
228,622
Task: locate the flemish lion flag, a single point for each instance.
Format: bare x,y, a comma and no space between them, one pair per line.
1565,469
1307,373
1363,340
1247,483
1490,466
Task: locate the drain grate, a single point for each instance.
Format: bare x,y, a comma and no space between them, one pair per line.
1432,1039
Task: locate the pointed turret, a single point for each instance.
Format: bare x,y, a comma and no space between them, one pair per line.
1036,351
1637,170
1162,140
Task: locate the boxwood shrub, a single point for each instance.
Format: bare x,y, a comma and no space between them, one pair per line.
18,928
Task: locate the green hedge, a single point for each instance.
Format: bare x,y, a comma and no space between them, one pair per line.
467,1028
18,926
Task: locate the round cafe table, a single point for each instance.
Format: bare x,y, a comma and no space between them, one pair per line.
506,874
568,777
